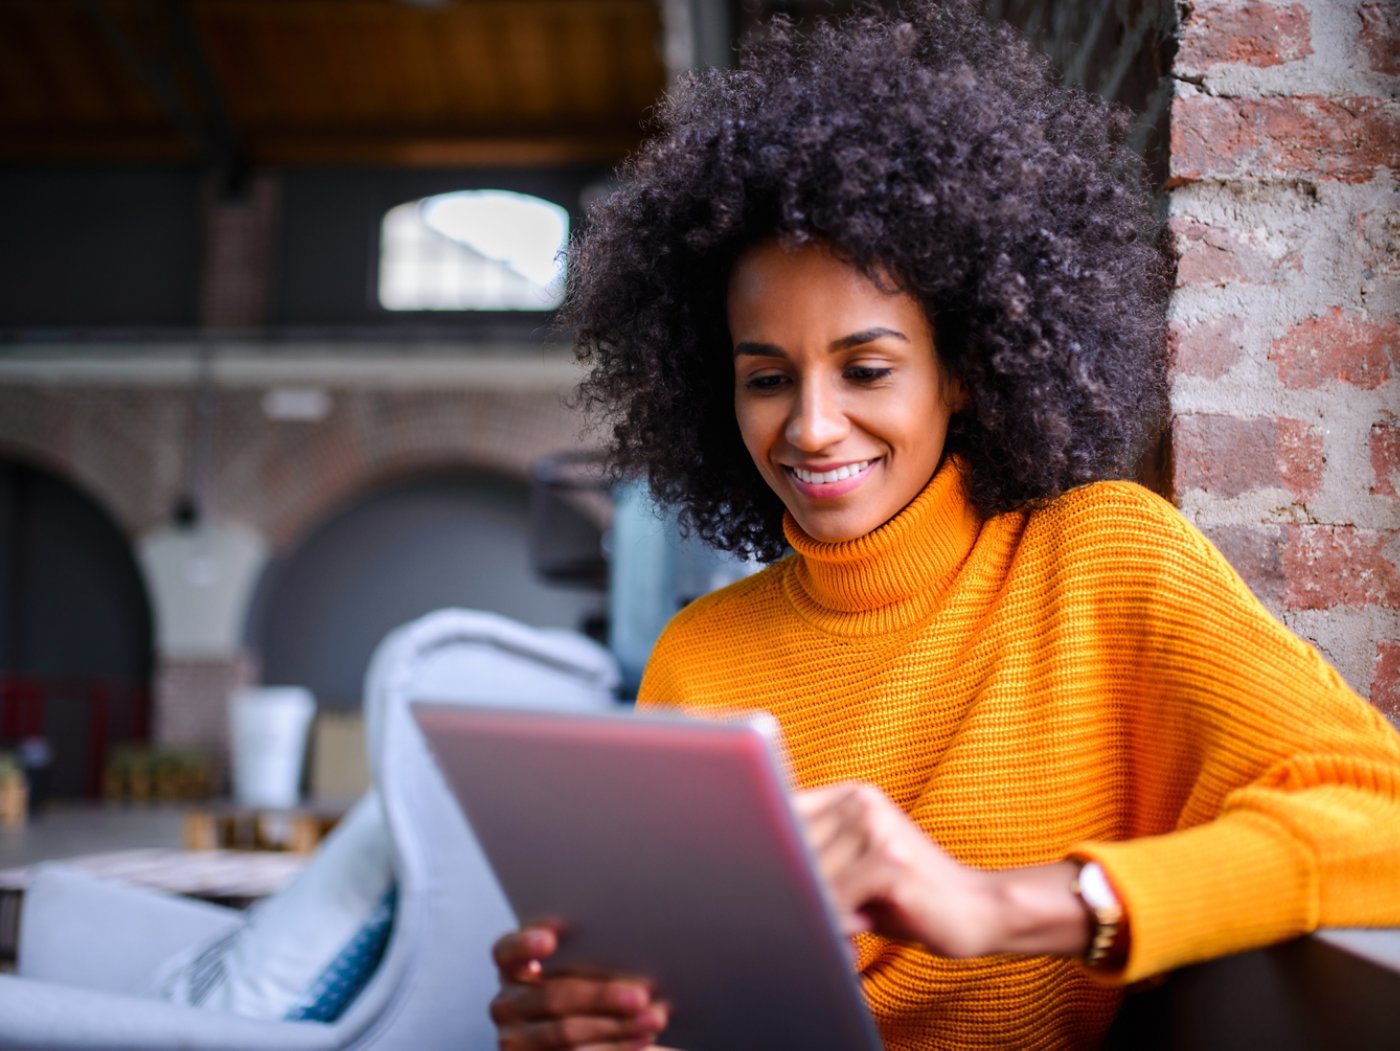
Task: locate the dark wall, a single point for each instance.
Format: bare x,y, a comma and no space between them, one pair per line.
73,614
99,248
114,248
329,255
72,601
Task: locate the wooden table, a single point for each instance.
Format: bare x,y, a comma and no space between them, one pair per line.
223,825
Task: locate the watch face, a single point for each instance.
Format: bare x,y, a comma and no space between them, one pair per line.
1095,889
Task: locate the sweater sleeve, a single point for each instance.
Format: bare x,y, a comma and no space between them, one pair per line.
1282,810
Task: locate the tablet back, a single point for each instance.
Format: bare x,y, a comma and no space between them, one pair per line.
667,848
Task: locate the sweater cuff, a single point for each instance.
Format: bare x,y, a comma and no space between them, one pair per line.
1237,883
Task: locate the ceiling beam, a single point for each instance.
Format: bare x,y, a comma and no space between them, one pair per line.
306,149
230,157
157,77
443,150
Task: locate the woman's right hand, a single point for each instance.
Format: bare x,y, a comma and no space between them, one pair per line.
567,1011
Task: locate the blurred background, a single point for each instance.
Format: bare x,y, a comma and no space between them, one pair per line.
278,371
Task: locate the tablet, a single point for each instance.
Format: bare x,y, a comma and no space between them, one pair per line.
666,847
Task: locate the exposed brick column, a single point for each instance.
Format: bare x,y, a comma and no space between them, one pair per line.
240,237
1286,347
191,702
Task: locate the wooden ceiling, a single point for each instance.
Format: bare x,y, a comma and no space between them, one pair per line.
336,82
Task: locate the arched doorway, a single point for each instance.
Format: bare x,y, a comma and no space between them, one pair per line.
405,549
75,628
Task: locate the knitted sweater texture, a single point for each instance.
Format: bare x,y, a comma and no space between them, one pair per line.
1088,678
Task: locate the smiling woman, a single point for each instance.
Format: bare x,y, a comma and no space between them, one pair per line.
838,391
885,307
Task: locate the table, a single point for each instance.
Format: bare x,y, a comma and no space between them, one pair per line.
228,877
298,829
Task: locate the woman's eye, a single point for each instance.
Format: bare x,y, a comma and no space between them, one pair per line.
867,373
768,381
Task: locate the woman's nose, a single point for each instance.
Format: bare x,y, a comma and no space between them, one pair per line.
817,420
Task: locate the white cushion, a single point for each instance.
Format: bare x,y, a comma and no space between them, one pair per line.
293,949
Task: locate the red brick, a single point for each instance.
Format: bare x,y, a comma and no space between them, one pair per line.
1385,458
1340,565
1336,347
1303,137
1208,349
1298,449
1226,455
1251,34
1256,552
1385,685
1215,255
1380,37
240,242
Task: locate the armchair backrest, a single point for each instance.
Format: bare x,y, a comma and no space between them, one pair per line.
437,979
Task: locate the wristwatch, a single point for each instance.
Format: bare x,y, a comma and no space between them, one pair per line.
1108,937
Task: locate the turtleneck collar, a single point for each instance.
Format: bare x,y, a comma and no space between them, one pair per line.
897,573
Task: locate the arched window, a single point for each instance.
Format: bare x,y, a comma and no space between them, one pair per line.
473,250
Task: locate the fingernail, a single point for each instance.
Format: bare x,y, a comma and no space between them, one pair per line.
628,998
653,1018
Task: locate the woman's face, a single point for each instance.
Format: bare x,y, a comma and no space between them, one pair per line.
838,391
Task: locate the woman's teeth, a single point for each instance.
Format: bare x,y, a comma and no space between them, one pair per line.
821,477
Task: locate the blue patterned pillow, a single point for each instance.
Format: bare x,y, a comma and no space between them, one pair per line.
305,952
339,984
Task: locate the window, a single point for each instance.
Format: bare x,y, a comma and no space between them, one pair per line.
473,250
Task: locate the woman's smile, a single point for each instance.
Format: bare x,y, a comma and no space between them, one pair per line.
838,391
826,482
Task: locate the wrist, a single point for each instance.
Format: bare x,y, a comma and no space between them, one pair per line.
1036,911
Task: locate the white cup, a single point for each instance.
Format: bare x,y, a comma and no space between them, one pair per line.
268,727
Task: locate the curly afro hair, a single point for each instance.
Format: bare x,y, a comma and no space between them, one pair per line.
933,149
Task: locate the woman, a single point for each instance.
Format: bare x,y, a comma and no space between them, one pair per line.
886,296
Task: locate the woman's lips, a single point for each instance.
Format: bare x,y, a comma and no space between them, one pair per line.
831,482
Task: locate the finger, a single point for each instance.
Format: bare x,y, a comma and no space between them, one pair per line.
518,953
851,815
580,1031
855,836
821,820
566,996
810,801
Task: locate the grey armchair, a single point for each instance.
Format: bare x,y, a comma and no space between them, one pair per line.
88,947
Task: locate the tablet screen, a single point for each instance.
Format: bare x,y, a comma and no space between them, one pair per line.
666,847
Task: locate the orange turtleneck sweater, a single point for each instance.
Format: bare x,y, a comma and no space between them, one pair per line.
1088,678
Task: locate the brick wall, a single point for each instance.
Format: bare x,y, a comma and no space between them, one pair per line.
191,701
1285,150
239,242
129,446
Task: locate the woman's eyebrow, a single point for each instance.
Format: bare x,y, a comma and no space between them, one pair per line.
855,339
762,350
867,335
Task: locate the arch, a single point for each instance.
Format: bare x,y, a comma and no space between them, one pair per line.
396,551
76,643
287,479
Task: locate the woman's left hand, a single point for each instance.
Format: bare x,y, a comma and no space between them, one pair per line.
886,876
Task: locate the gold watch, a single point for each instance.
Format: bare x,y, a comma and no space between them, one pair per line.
1108,937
